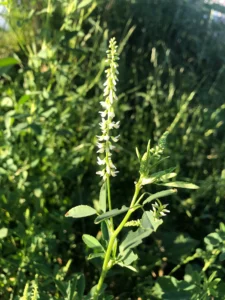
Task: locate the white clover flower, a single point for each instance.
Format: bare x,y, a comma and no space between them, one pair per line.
105,140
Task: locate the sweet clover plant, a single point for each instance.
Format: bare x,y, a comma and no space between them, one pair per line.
112,248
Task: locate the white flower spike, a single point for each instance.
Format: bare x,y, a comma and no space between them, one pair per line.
107,124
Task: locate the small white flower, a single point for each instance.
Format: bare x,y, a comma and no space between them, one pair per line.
105,105
100,161
101,173
100,145
162,214
115,139
112,166
106,138
101,150
103,113
116,125
113,173
100,138
159,210
111,114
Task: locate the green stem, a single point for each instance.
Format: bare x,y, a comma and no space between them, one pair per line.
111,225
107,264
109,201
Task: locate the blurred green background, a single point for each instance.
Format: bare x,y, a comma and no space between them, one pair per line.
171,76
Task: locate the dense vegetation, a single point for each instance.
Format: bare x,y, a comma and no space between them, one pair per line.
171,77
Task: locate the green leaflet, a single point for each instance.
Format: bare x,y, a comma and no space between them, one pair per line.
162,176
128,267
159,195
134,238
148,221
81,211
128,257
111,213
8,61
96,255
102,198
181,184
105,232
91,241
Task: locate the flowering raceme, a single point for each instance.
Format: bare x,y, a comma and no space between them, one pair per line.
105,141
108,246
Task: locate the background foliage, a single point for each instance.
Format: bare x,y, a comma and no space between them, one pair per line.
172,77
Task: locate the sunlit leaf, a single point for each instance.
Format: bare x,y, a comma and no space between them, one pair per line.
81,211
159,195
181,184
128,257
3,233
91,241
20,127
148,221
213,239
111,213
84,3
160,176
128,267
8,61
134,238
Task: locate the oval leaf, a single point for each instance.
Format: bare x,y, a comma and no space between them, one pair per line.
159,195
91,241
81,211
8,61
181,184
